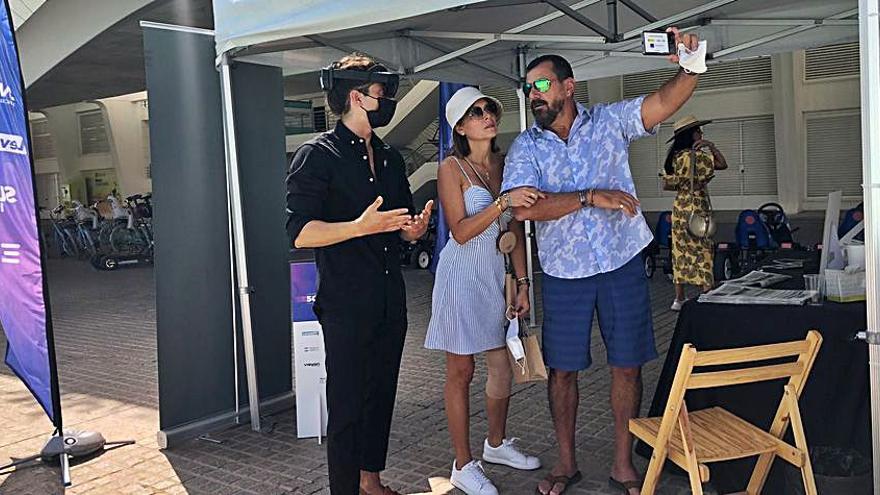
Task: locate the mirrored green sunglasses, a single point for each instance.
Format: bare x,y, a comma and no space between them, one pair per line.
542,85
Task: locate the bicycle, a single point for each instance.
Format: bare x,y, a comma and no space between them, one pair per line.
130,238
88,228
64,231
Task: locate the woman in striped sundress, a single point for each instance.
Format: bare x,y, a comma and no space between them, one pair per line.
468,308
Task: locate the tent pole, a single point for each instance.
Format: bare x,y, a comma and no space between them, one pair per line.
233,186
237,386
869,43
612,18
523,102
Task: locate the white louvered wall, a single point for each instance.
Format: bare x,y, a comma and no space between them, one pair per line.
506,95
748,144
646,159
831,61
582,93
738,73
833,138
93,132
759,156
42,141
834,153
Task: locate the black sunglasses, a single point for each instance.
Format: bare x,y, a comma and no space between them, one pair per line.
476,112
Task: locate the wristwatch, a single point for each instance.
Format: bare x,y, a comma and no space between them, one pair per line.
582,197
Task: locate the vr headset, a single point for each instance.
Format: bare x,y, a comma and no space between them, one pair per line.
330,77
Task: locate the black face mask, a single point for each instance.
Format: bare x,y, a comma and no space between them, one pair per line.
381,116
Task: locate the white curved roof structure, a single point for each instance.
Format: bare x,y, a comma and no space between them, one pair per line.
477,41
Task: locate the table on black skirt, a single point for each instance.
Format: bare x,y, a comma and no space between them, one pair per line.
835,404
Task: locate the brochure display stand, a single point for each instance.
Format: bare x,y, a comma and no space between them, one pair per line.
310,375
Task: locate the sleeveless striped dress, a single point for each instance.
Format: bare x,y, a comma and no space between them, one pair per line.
467,308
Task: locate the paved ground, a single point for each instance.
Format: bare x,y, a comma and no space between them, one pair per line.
105,331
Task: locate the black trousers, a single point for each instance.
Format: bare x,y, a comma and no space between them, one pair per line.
363,363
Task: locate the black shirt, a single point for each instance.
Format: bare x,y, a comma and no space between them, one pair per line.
330,180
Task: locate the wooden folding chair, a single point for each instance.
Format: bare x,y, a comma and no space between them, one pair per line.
691,440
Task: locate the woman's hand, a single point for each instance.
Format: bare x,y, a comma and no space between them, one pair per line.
522,300
702,143
524,197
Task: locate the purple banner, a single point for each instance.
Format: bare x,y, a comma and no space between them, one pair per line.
303,287
22,306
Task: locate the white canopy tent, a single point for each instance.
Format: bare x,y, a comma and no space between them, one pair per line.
488,42
477,41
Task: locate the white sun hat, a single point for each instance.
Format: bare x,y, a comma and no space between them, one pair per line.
461,102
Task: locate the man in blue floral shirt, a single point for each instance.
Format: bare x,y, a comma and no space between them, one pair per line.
590,234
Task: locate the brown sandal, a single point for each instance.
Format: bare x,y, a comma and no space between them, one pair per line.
565,481
624,486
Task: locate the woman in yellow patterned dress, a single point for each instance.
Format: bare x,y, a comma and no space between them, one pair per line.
692,257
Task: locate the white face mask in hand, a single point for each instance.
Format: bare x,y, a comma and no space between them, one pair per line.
514,344
694,61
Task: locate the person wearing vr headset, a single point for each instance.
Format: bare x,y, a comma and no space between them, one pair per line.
590,234
348,198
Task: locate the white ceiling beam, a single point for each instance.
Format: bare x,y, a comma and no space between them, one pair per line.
781,34
549,38
515,30
452,55
612,53
581,19
585,61
784,22
629,45
466,61
671,20
552,38
550,17
342,47
639,10
619,49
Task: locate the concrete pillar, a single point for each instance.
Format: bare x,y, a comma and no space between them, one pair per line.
65,131
125,130
788,102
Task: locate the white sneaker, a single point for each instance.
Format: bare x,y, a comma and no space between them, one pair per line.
509,454
472,480
676,305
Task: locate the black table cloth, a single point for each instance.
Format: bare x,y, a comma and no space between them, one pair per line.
835,403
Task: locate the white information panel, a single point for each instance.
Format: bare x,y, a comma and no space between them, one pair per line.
310,375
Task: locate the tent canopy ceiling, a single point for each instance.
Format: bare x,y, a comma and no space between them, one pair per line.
478,41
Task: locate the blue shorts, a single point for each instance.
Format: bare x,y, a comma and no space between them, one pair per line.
623,301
